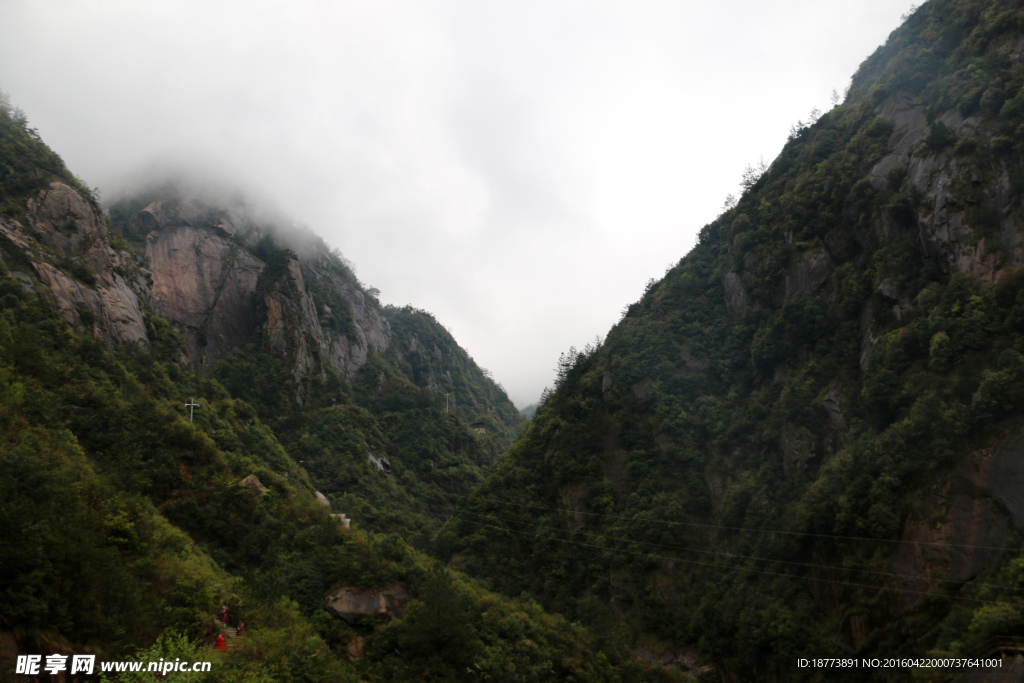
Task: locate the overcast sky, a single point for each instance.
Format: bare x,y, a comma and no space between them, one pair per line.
520,169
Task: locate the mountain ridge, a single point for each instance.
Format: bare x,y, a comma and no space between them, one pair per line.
835,360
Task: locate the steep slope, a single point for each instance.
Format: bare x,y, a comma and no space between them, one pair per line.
805,440
127,522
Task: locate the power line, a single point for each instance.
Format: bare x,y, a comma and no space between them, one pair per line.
735,528
733,555
431,510
499,501
769,573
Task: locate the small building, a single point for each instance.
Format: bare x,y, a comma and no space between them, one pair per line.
480,427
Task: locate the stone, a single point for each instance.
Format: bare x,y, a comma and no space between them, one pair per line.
355,648
693,365
204,284
643,387
1006,478
835,440
253,483
909,116
354,603
117,315
67,221
736,298
808,274
982,499
797,445
12,233
889,289
322,499
382,463
880,172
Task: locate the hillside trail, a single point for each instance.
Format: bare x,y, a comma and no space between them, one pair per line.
230,633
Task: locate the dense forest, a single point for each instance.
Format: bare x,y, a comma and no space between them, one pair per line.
158,468
805,440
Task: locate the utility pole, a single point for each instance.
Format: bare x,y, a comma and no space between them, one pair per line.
191,408
446,402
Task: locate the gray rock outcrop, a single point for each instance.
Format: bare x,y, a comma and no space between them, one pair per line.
949,187
354,603
254,485
206,285
797,445
61,218
809,273
736,298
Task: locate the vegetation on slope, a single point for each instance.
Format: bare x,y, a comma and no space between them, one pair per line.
733,469
127,524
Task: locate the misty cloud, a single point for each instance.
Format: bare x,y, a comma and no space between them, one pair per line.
518,169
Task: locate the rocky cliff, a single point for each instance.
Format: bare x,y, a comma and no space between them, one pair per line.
192,262
67,247
207,280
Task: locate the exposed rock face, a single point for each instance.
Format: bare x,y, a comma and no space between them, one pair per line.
837,429
966,541
868,337
355,648
207,286
808,274
797,445
949,188
643,387
352,603
66,221
693,364
294,327
63,219
735,296
254,485
292,323
910,117
382,463
372,331
322,499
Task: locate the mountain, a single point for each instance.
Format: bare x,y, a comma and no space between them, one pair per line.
807,439
201,406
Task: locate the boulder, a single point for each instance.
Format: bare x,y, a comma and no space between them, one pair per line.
354,603
356,646
322,499
253,484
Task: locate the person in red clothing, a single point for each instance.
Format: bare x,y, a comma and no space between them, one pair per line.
224,614
221,645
